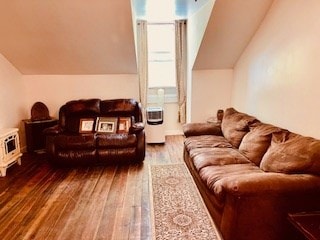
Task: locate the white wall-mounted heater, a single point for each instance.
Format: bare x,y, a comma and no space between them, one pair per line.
155,131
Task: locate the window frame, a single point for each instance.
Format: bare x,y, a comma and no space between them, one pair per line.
158,56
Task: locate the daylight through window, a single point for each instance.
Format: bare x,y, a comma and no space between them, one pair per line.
161,55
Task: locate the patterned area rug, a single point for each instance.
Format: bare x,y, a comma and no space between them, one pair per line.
178,209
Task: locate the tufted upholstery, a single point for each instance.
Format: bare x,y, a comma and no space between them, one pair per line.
252,174
66,145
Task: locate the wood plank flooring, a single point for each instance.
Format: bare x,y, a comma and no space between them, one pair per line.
38,201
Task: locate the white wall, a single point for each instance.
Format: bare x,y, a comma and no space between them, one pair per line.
55,90
12,95
196,26
211,90
278,77
170,118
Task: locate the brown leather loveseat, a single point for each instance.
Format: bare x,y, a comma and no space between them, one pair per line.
94,131
252,174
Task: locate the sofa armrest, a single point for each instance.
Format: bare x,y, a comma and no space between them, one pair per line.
54,130
136,128
196,129
269,183
258,204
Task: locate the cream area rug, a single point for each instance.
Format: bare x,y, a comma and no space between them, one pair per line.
177,207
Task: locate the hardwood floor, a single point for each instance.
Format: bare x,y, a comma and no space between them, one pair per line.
38,201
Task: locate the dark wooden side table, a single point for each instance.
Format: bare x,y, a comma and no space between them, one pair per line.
308,223
34,133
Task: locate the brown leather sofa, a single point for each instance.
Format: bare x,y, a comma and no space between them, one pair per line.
80,138
252,174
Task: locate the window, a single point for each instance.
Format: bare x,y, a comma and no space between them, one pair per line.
161,55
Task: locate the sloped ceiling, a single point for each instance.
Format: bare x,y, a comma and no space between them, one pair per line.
96,37
230,28
68,37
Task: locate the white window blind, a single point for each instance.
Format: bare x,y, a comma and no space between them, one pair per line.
161,55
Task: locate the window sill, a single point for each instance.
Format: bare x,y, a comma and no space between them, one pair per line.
168,98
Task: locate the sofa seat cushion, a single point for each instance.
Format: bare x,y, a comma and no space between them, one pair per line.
216,177
75,141
235,125
203,157
117,140
292,153
256,142
206,141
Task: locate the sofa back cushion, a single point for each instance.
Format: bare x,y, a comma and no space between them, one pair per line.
235,125
121,108
83,106
256,142
292,153
73,111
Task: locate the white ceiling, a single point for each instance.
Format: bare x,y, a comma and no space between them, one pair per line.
96,37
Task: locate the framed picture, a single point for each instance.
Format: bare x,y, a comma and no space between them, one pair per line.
107,124
124,124
86,125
